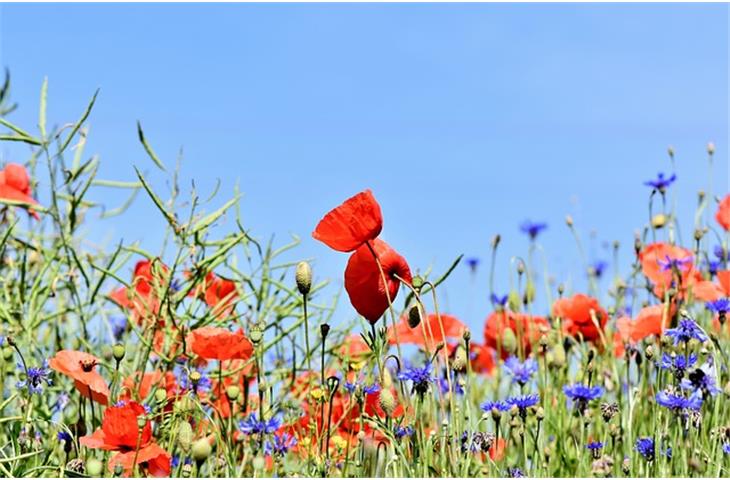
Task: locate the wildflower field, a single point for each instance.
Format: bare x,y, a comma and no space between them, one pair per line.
212,357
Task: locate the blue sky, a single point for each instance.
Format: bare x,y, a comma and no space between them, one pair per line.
463,119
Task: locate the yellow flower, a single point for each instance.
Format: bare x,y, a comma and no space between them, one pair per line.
317,393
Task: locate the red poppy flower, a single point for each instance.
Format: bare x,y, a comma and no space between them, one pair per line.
575,314
723,213
347,227
142,299
80,367
213,343
453,328
660,262
218,293
120,433
139,385
364,282
650,321
354,349
527,330
15,186
708,291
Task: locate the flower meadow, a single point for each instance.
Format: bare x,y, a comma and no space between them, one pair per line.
214,357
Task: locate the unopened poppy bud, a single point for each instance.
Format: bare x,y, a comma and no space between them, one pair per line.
513,300
387,401
495,241
557,356
232,392
459,361
259,462
699,233
255,335
529,293
659,220
185,436
118,470
324,329
414,316
160,395
711,148
540,414
509,340
303,277
118,351
141,421
94,467
569,220
201,450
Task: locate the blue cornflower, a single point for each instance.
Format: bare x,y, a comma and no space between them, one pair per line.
523,402
680,264
532,229
677,363
720,306
521,372
473,263
64,436
498,300
253,425
721,253
175,461
36,377
726,448
677,402
515,472
595,449
702,379
367,389
645,447
421,378
686,331
661,183
400,432
118,326
175,285
490,405
598,267
713,266
582,394
280,444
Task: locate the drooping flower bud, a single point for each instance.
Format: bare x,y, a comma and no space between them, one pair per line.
387,401
414,316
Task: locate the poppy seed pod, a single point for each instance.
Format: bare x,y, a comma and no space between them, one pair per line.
118,352
414,316
255,335
94,467
185,436
232,392
387,401
659,220
201,450
160,395
304,277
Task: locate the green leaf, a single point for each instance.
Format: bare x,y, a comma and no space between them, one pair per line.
78,124
19,138
157,201
148,148
210,219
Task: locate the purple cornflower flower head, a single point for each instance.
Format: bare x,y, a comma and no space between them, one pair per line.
515,472
421,378
726,448
36,377
661,183
645,447
720,306
721,253
455,387
489,405
701,380
681,264
280,444
523,402
677,363
175,461
120,403
473,263
521,372
497,300
686,331
253,425
582,394
598,267
64,436
532,229
713,266
119,326
595,449
679,403
367,389
400,432
175,285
